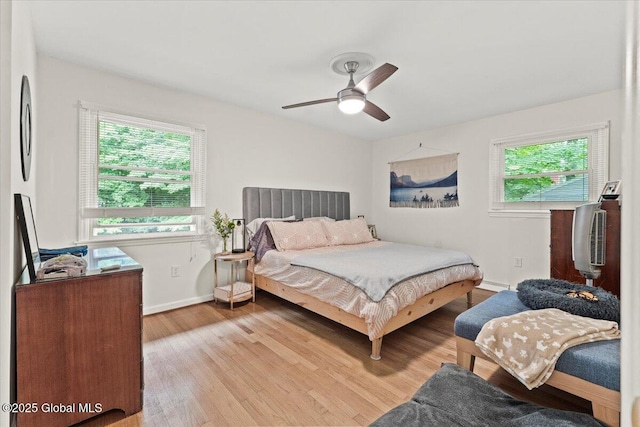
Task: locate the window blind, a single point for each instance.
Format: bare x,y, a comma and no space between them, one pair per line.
146,173
595,171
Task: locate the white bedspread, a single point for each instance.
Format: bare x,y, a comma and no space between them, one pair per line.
338,292
375,270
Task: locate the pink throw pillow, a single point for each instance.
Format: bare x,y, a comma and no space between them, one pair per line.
290,236
347,232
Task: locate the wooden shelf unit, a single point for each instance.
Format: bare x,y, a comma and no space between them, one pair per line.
236,290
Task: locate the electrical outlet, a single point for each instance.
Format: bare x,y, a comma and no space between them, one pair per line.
175,271
517,262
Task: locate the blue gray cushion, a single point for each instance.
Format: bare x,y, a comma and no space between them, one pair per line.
596,362
454,396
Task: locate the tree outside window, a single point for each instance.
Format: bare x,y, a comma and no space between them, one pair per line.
139,177
549,170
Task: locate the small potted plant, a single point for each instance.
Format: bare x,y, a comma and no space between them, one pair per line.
224,227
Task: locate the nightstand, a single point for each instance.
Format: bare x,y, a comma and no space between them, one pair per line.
236,290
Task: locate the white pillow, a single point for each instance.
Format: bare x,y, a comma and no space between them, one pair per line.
347,232
253,227
290,236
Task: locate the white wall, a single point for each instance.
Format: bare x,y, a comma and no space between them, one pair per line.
493,242
245,148
18,58
629,290
276,153
6,211
280,153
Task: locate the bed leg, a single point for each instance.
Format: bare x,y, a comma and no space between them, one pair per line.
609,416
466,360
376,346
470,299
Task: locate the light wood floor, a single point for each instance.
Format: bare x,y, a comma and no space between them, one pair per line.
274,363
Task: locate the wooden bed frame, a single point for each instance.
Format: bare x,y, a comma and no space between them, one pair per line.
421,307
259,202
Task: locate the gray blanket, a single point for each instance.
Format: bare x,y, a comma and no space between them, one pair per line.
376,270
454,396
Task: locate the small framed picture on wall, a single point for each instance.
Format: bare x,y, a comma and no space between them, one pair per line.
611,190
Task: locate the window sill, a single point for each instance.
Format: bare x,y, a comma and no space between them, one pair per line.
142,241
512,213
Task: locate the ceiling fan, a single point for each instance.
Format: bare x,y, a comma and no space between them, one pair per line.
353,98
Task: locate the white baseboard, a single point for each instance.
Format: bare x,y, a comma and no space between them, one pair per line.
176,304
494,286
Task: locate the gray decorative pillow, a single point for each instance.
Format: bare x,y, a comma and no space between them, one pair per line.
261,242
581,300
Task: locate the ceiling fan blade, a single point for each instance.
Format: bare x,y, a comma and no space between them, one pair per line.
304,104
374,78
374,111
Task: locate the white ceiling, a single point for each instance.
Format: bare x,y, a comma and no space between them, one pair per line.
457,60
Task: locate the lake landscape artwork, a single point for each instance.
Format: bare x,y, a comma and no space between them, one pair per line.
430,182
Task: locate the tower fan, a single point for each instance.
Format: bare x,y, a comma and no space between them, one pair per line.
588,240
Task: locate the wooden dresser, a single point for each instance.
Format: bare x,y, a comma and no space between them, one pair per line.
79,343
561,242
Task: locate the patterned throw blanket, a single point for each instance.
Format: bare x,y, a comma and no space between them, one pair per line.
529,343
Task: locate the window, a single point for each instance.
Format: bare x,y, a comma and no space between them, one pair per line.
139,178
559,169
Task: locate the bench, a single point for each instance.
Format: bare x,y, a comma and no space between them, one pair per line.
590,371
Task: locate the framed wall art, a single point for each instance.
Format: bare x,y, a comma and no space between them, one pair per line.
24,215
26,143
429,182
611,190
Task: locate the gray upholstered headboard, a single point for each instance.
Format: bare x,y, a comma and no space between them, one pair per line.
260,202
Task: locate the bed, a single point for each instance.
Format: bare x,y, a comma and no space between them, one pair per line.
333,297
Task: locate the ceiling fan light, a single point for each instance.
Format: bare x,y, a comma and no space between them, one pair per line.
351,104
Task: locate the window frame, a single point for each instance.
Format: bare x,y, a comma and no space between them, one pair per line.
88,210
597,135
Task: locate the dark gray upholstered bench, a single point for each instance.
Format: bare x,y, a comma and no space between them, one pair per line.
591,371
453,396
